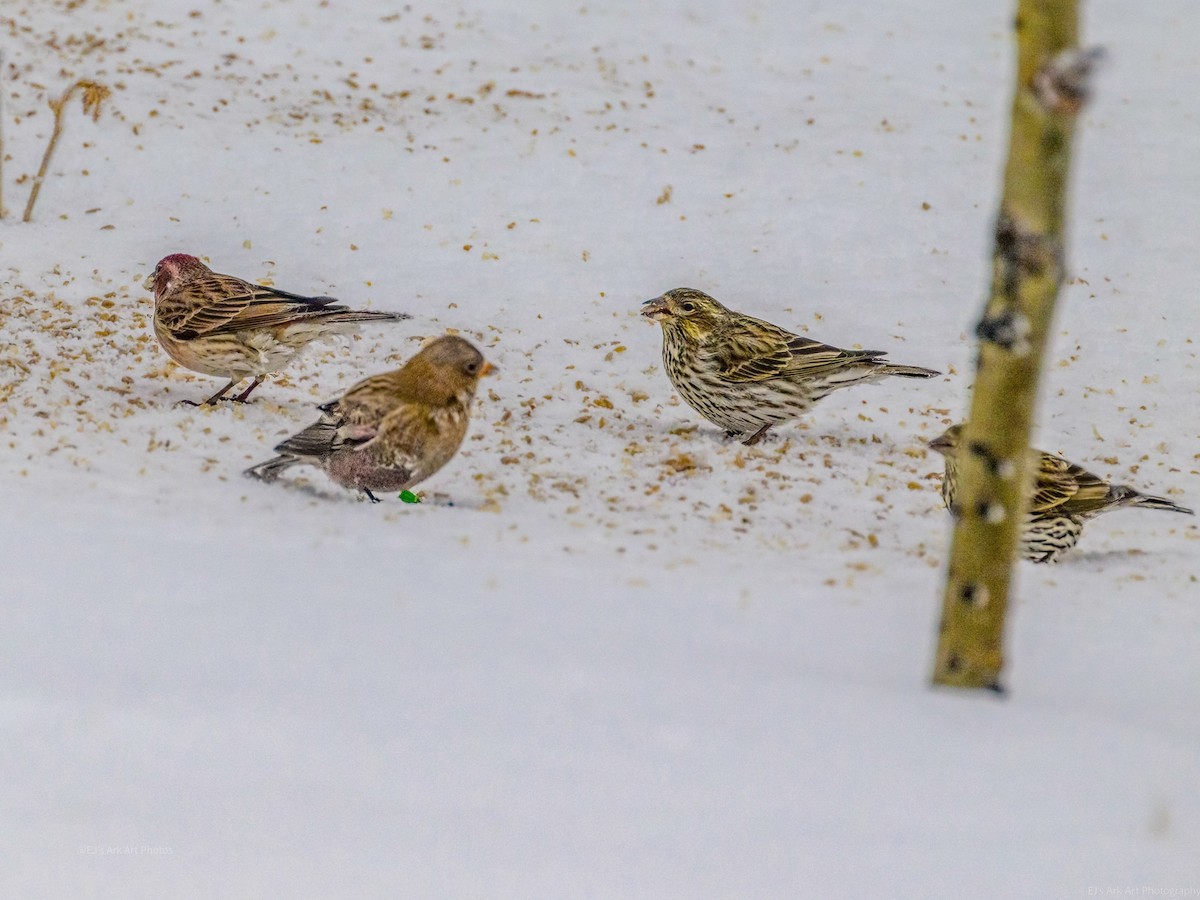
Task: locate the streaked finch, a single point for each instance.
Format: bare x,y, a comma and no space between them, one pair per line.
221,325
391,431
746,375
1064,497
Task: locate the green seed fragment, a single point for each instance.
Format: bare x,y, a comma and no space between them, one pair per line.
409,497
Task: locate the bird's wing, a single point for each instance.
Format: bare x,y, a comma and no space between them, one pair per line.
1092,493
324,436
215,304
367,401
1056,483
350,436
753,350
314,441
401,437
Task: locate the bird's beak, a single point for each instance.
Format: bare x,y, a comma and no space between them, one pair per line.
655,309
941,444
148,284
487,369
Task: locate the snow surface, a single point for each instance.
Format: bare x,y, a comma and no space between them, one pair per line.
611,656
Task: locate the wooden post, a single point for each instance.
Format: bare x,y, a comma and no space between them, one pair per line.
1027,269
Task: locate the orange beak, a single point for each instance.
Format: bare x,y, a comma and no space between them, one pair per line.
487,369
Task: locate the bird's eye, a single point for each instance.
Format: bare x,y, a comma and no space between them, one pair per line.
688,306
471,368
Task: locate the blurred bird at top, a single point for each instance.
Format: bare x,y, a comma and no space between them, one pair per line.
1064,497
221,325
746,375
392,430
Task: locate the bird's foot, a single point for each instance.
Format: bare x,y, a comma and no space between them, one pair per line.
244,396
211,401
757,436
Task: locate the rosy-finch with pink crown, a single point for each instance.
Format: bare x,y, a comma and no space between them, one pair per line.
1064,497
221,325
393,430
746,375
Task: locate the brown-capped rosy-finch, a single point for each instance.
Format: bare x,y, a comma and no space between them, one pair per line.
746,375
221,325
1064,497
390,431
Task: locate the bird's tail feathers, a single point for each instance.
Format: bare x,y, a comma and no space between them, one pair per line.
908,371
364,315
271,469
1124,495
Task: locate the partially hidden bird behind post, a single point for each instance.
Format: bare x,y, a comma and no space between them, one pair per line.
1064,496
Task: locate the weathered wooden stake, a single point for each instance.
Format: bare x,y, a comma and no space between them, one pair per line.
1027,269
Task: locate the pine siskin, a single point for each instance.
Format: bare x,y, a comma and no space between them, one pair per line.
746,375
393,430
1064,497
221,325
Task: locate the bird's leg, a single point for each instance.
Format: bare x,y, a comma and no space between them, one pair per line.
214,398
757,436
370,496
241,398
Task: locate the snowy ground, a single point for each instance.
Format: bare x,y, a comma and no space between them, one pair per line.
613,656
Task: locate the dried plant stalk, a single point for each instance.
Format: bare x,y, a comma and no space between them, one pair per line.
94,95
